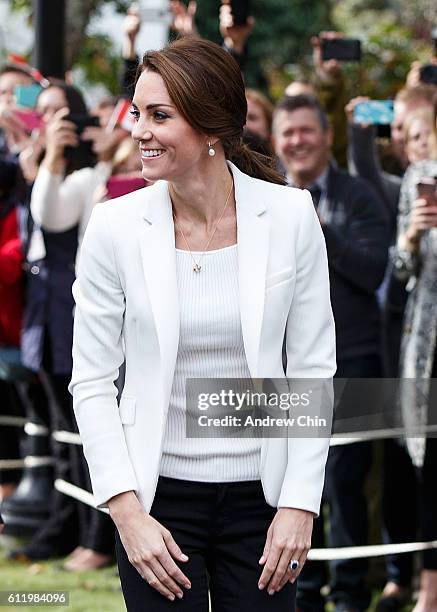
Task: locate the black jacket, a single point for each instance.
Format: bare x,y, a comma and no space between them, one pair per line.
357,240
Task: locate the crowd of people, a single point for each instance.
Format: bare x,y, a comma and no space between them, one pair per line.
380,228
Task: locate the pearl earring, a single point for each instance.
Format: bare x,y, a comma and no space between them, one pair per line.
211,151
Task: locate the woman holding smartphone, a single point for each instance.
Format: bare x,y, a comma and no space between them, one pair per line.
415,260
201,275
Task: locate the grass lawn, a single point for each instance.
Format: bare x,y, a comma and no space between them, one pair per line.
97,591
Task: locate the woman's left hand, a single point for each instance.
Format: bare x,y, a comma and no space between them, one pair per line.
288,538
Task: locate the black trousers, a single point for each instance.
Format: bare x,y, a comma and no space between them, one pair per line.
222,528
399,509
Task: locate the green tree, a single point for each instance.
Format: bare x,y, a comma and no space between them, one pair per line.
390,44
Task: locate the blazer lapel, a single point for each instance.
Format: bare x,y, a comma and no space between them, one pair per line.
253,246
157,245
159,266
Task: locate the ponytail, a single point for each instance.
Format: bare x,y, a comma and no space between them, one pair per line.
253,163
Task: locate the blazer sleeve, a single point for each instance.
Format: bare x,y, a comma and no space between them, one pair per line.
97,357
310,346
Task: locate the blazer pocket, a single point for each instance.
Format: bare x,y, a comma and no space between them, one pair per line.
279,277
127,409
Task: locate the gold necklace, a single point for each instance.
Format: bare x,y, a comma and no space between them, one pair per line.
197,267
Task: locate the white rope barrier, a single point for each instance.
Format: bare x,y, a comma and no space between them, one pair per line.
67,436
11,464
359,552
12,421
381,434
34,462
28,462
35,429
77,493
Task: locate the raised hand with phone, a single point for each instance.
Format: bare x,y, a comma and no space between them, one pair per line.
60,133
330,49
236,24
423,215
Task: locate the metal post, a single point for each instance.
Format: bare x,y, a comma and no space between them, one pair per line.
49,52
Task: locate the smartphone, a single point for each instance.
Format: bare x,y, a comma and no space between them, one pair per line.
426,188
428,74
374,112
342,49
240,11
27,95
83,121
31,119
120,184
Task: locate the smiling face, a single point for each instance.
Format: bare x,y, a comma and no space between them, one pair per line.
170,147
301,144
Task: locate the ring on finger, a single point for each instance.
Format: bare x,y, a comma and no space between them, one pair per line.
294,564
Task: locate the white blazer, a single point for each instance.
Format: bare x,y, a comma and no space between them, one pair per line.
127,310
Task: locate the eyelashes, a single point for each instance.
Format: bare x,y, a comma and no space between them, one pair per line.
157,115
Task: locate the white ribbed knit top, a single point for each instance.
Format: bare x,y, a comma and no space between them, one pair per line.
210,346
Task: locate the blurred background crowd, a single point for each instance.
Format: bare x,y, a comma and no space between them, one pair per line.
352,119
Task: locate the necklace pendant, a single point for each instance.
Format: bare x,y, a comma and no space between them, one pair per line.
196,268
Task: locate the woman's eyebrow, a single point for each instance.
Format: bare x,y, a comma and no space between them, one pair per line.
152,106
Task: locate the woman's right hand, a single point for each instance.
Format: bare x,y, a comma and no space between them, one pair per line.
150,548
423,216
59,134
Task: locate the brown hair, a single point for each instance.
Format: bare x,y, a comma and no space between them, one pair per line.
206,86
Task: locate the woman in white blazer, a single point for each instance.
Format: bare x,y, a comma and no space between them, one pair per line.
200,276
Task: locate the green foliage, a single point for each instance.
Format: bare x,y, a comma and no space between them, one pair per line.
389,49
99,62
19,5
